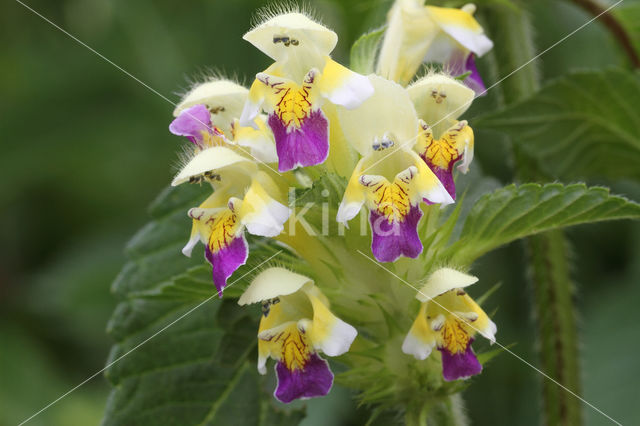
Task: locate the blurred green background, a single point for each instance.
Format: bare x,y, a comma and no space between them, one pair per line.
85,148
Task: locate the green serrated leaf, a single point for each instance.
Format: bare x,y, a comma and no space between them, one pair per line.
365,50
471,187
515,212
181,355
581,125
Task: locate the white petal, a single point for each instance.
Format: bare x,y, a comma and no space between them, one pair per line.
490,332
188,248
477,43
342,86
443,280
353,197
342,336
339,338
269,221
416,347
439,195
262,365
462,27
467,157
327,332
260,213
354,91
348,211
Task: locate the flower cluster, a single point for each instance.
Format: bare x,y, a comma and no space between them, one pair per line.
394,145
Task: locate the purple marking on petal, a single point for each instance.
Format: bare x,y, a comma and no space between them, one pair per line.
445,176
314,380
474,81
191,123
459,64
227,260
456,65
400,238
461,365
304,146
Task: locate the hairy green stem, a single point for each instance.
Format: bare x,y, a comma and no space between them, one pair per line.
512,34
547,254
448,412
556,322
416,415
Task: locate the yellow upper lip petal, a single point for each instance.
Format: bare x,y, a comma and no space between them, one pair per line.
443,280
213,158
271,283
272,35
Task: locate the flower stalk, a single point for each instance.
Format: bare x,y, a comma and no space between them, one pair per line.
547,254
556,319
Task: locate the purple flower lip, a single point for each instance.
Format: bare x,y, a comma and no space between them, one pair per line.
458,65
194,123
314,379
226,261
445,176
303,146
390,240
474,80
461,365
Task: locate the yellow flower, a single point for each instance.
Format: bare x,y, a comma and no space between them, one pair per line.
223,98
448,319
418,33
219,222
292,90
439,101
390,179
455,145
208,115
296,323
